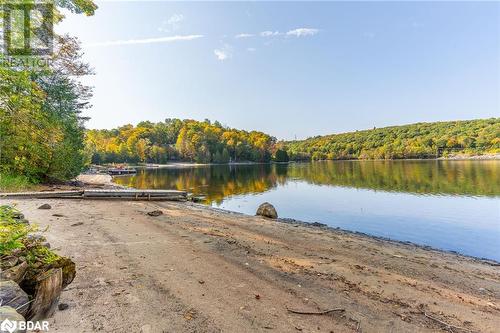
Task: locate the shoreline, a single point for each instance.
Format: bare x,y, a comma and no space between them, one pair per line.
202,269
485,157
489,261
322,226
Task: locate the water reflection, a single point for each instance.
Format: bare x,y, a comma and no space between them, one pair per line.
470,178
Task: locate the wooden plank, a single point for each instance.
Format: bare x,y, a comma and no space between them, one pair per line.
45,195
133,193
99,193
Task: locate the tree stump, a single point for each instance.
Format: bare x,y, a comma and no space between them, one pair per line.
48,290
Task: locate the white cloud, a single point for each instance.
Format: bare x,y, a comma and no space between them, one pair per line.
244,35
270,33
168,39
223,53
175,19
251,49
173,23
302,32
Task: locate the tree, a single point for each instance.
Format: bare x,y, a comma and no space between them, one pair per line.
41,130
281,156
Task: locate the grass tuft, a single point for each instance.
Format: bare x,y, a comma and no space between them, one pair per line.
12,183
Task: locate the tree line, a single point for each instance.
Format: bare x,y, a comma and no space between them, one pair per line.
181,140
421,140
41,127
207,142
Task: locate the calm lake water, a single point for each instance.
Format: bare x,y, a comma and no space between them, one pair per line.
450,205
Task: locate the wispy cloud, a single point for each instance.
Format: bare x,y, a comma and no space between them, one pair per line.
224,52
302,32
172,23
244,35
251,49
168,39
270,33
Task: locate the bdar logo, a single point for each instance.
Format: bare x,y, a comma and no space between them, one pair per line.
8,326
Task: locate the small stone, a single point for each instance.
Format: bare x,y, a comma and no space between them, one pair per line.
62,306
267,210
45,206
155,213
23,221
17,215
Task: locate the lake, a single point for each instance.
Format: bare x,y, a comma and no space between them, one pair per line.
450,205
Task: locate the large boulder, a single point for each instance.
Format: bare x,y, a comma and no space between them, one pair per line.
12,295
267,210
9,319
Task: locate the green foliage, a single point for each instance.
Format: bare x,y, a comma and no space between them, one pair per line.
175,139
15,239
419,140
13,183
42,254
12,233
281,156
41,130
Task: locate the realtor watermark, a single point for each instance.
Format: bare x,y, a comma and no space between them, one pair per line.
11,326
27,33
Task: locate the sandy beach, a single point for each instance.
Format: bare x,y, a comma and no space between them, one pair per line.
196,269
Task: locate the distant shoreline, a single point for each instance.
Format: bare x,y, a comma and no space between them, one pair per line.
486,157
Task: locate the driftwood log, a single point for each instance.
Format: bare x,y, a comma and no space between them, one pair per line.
48,290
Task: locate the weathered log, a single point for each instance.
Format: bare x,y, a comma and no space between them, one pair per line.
48,290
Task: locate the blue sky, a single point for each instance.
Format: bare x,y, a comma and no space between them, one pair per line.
291,69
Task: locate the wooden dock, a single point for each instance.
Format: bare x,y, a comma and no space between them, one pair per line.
118,172
130,194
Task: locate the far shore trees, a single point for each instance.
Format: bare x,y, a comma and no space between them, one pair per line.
207,142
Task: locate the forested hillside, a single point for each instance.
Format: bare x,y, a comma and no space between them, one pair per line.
419,140
175,139
207,142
